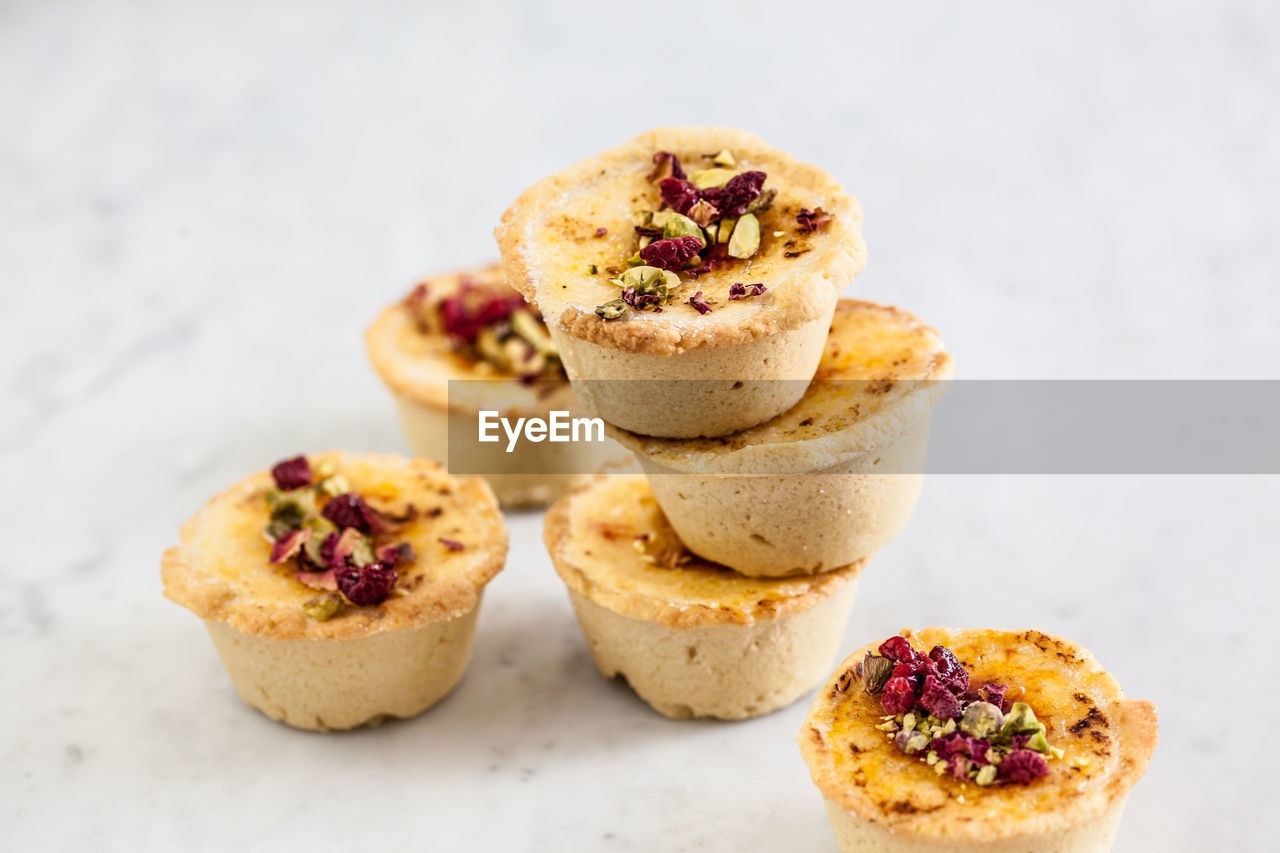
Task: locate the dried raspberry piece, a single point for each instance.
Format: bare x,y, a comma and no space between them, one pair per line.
949,670
898,649
367,585
898,696
350,510
938,700
732,198
464,314
292,473
1023,765
672,253
679,194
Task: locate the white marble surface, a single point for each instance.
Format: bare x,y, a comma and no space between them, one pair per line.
200,207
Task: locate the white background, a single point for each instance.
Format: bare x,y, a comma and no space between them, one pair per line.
202,206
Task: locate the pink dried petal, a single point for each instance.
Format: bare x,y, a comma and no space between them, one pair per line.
292,473
672,253
665,165
367,585
602,232
395,554
318,580
452,544
747,291
699,303
938,700
812,220
288,545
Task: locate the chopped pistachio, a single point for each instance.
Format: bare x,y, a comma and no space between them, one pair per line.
762,202
682,226
289,510
635,260
726,227
1020,720
611,310
986,775
1057,752
940,768
876,671
931,757
888,726
1037,742
642,218
745,241
524,324
333,485
320,528
491,350
592,269
647,279
706,178
981,719
948,727
324,468
909,720
324,607
725,159
913,741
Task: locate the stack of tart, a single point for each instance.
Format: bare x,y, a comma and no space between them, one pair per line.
690,280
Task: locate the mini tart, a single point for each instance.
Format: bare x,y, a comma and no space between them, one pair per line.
395,659
692,638
831,480
549,243
880,798
417,366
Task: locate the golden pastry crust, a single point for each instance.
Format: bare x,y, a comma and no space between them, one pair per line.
1108,742
548,239
419,365
220,571
882,371
592,535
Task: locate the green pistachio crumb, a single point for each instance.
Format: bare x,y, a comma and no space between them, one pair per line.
981,719
706,178
324,468
611,310
931,758
725,159
986,775
526,325
682,226
322,608
725,229
888,726
909,721
1020,720
635,260
762,202
745,241
1038,743
592,269
915,742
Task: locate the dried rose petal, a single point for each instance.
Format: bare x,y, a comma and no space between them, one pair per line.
699,303
392,555
898,696
350,510
292,473
746,291
938,700
452,544
318,580
367,585
288,545
733,197
1023,765
672,253
602,232
641,301
995,695
665,165
812,220
679,194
